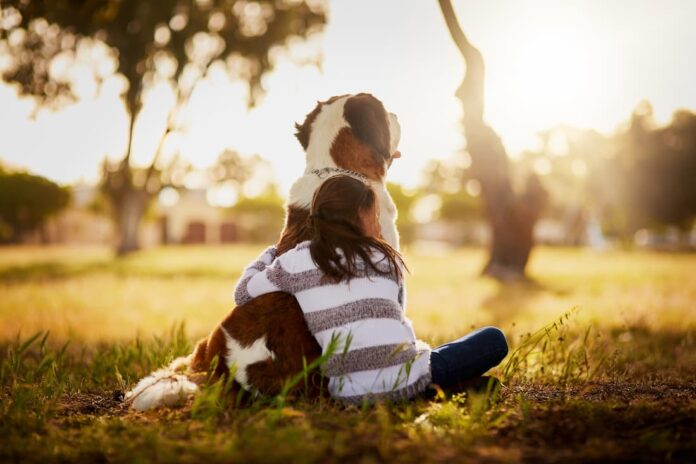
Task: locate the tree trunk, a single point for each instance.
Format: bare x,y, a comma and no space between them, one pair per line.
129,215
512,216
128,201
17,235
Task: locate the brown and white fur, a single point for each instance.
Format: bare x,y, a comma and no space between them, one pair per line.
266,341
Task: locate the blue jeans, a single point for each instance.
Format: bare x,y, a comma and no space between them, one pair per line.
467,358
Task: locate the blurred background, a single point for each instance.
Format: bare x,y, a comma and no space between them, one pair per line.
146,151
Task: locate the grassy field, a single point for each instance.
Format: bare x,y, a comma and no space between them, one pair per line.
602,366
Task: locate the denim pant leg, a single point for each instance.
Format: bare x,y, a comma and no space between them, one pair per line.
469,357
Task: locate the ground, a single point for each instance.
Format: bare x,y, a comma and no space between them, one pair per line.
602,363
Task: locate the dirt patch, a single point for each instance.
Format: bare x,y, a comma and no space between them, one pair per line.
94,404
608,421
681,391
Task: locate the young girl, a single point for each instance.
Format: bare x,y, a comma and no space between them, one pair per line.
350,286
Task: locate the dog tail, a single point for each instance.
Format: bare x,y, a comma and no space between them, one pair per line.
165,387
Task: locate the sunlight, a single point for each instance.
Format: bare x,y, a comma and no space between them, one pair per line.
224,195
554,67
168,197
547,63
550,79
561,63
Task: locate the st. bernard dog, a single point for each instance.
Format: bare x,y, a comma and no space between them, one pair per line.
266,342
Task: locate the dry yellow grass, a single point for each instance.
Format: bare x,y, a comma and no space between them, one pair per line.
86,294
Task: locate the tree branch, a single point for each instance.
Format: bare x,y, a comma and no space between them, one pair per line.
181,100
129,146
471,90
454,28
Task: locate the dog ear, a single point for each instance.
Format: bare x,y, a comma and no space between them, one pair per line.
368,121
303,131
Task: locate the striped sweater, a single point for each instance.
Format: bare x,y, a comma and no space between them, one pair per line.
376,353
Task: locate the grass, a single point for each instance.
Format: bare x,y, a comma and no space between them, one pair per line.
602,365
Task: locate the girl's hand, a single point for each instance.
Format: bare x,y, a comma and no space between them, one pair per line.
268,255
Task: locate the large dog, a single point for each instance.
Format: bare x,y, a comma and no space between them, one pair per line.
266,342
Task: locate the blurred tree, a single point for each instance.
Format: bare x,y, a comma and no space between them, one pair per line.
233,177
260,217
232,167
26,202
574,164
404,200
512,215
640,177
146,43
658,170
449,180
459,206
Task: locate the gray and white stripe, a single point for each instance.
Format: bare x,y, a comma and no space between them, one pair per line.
377,357
373,357
370,308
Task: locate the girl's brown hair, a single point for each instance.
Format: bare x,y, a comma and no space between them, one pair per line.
336,225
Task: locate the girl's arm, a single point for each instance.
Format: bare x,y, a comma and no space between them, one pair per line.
260,277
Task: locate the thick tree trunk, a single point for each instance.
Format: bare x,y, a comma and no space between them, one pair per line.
512,216
17,235
128,201
129,215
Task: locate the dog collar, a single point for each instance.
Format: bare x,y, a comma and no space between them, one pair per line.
326,172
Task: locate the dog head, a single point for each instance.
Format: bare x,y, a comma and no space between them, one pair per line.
352,132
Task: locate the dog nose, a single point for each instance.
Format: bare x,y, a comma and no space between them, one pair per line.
397,154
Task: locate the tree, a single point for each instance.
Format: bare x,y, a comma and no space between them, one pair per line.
657,166
512,215
404,200
26,202
449,180
172,41
260,218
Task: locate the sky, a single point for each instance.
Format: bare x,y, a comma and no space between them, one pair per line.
585,63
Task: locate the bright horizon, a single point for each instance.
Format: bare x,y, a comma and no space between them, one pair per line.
586,64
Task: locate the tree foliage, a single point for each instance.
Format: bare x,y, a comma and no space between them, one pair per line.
183,36
640,177
260,217
404,201
146,43
26,202
448,180
658,169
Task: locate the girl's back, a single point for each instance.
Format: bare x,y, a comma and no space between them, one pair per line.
349,284
374,352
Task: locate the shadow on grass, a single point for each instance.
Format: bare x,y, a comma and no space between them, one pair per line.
37,272
513,298
49,271
632,431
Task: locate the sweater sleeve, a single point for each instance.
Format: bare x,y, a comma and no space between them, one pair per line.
265,275
241,295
